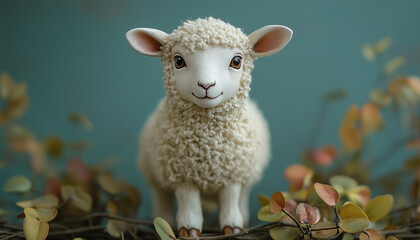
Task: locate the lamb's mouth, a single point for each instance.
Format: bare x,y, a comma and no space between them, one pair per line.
207,97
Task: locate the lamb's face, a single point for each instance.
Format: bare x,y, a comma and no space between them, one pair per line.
210,72
207,77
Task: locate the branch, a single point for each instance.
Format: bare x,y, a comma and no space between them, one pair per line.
105,215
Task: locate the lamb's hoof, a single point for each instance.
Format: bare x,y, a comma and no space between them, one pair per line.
190,233
227,230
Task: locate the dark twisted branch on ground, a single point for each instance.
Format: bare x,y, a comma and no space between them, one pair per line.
259,232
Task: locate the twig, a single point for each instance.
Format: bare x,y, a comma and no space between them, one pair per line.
254,230
104,215
388,152
76,230
294,220
13,235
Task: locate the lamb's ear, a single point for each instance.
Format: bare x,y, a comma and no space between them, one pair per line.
146,41
269,40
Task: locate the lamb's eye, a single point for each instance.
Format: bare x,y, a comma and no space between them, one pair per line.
179,62
236,62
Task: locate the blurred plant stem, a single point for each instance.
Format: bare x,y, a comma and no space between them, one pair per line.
318,124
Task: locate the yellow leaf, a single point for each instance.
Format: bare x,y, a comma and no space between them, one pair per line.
264,200
284,233
350,137
163,229
368,52
44,215
353,219
46,201
378,207
77,197
324,234
108,183
35,229
382,45
17,183
394,65
265,215
115,228
6,85
352,116
19,91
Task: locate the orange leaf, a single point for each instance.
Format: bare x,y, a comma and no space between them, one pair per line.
277,202
351,137
295,174
370,118
327,193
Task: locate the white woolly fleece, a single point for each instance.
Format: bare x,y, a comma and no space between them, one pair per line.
209,147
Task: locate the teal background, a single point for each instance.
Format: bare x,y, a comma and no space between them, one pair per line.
74,57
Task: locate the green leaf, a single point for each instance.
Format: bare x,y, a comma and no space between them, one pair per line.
77,197
381,98
264,200
108,183
413,163
335,95
284,233
46,201
359,195
394,64
53,146
379,207
277,202
353,219
35,229
347,236
324,234
265,215
115,228
327,193
79,118
17,183
163,229
342,183
2,212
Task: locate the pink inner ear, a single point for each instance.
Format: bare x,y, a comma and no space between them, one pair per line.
269,42
147,43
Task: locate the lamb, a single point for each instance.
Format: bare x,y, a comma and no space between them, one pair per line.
206,138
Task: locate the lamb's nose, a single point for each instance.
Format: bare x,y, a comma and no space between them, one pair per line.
206,85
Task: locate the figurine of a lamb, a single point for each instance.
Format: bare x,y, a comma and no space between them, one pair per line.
206,137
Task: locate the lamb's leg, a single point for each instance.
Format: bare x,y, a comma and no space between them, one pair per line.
189,217
244,204
163,204
230,217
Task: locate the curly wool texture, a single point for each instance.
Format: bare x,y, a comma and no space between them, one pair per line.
209,147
